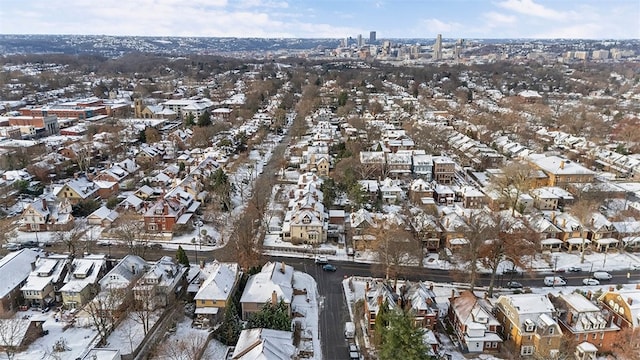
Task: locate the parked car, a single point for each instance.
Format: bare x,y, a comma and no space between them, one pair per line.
321,260
12,246
329,267
590,282
554,281
635,267
602,275
512,271
574,269
514,285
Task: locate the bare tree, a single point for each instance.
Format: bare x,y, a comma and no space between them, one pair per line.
83,153
129,228
7,231
11,332
394,246
477,229
626,344
516,179
146,297
583,210
72,238
248,245
185,348
106,309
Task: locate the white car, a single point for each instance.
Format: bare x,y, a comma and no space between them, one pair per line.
590,282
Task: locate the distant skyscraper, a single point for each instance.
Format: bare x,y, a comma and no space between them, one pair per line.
360,42
372,37
437,48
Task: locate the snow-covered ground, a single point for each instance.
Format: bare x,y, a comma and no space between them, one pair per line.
76,340
129,334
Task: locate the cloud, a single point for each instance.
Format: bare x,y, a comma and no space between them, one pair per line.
495,18
529,7
439,26
244,4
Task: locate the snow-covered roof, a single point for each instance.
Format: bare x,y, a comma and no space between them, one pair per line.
124,272
264,344
14,269
220,283
274,276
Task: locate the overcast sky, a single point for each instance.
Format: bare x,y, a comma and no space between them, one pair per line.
587,19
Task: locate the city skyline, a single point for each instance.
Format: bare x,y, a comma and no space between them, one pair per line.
539,19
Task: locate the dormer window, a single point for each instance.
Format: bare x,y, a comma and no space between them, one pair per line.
306,219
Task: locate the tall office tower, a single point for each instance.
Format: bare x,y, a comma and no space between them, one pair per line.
437,48
372,37
360,42
346,42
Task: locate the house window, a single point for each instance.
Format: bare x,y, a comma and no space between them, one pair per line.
551,331
527,350
494,344
306,220
152,227
202,302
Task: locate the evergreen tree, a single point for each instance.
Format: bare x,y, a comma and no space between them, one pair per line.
229,331
181,256
189,120
382,321
204,119
271,317
401,339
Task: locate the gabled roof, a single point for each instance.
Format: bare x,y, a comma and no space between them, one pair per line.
264,344
220,283
274,276
124,272
15,268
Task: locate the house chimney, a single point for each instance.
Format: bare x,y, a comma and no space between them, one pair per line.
629,301
611,288
366,287
637,286
589,294
282,267
562,164
33,266
274,298
44,203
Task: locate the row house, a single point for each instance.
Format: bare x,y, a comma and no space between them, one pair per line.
562,172
474,325
529,325
444,169
628,233
551,198
391,191
274,283
399,163
548,232
371,189
40,215
471,197
420,189
427,229
624,307
423,166
14,271
584,321
45,280
81,282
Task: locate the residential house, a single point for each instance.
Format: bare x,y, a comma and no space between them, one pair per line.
374,161
371,189
399,163
426,227
528,324
421,302
444,195
103,216
423,166
470,196
161,284
444,169
544,199
306,221
391,191
624,307
572,232
217,290
274,283
583,320
547,231
77,190
628,232
81,282
124,273
420,189
474,325
360,223
40,215
260,343
14,271
44,282
562,172
377,294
